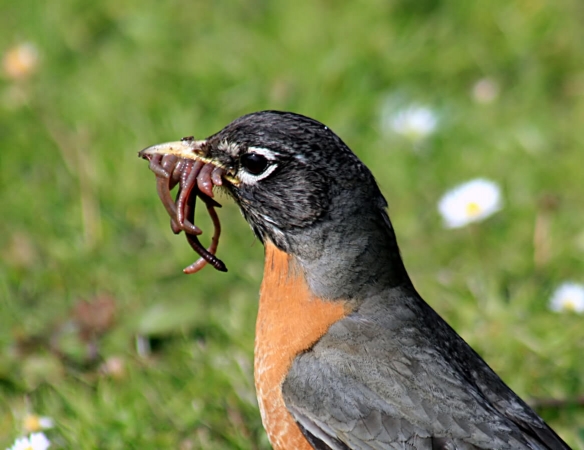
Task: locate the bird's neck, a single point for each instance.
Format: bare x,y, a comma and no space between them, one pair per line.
350,259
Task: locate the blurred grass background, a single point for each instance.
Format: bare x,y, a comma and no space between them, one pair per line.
99,328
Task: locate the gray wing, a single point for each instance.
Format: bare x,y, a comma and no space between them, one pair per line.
387,381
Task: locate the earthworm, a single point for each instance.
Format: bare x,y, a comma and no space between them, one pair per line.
195,179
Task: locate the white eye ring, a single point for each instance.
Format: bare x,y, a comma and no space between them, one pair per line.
249,178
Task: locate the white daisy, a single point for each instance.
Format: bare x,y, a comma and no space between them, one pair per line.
485,90
20,61
470,202
36,441
568,297
33,423
414,122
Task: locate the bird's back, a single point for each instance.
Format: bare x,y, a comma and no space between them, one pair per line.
393,374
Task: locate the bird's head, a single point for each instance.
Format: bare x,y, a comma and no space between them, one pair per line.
287,172
300,187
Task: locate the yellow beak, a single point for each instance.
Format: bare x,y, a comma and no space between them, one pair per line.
188,148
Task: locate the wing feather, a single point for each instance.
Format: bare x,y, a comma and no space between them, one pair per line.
380,379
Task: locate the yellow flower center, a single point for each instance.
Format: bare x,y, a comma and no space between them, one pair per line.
473,209
569,305
32,423
19,62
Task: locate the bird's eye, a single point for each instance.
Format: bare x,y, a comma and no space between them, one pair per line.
254,163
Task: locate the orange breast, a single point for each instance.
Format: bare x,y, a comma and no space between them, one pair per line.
290,320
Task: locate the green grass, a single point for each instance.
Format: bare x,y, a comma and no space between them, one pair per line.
81,219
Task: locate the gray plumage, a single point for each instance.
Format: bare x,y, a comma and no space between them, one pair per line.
393,374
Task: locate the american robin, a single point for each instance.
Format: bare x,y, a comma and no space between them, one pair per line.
347,354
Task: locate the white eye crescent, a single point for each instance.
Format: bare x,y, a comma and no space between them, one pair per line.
256,164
